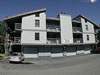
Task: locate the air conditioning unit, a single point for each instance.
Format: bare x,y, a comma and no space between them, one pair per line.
78,41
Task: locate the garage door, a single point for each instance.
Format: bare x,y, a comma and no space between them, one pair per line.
44,51
87,49
30,52
70,51
80,50
56,52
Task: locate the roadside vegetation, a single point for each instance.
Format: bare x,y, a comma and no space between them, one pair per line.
3,28
98,37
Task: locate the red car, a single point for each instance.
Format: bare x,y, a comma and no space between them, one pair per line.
96,50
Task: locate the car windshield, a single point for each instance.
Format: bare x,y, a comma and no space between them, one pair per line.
15,54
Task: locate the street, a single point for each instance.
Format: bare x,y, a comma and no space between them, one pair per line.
74,65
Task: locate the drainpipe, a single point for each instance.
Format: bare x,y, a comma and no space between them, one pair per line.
76,50
64,51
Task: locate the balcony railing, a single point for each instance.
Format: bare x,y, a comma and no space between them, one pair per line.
53,41
77,29
17,26
17,40
53,28
78,40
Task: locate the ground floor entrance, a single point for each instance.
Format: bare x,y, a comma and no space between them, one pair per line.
54,51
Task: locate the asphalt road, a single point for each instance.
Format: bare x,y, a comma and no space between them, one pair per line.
76,65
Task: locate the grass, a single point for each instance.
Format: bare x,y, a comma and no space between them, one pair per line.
3,56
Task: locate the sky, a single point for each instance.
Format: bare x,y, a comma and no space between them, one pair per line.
54,7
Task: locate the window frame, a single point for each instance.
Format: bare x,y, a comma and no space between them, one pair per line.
37,15
87,28
37,36
88,38
37,23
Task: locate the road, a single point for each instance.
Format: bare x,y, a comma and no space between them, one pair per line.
75,65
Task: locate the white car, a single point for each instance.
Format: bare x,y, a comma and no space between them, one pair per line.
16,57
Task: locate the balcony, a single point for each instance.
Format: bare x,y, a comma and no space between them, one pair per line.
17,26
53,41
52,28
77,29
17,40
78,40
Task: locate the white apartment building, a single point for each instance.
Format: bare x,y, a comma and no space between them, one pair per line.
35,34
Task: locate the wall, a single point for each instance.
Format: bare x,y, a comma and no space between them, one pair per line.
28,37
66,29
29,29
28,22
89,32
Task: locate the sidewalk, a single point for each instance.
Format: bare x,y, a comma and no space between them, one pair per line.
52,60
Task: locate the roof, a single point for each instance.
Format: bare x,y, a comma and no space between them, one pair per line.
25,13
76,21
86,19
52,18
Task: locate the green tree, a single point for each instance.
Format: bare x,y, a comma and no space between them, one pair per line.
98,37
3,28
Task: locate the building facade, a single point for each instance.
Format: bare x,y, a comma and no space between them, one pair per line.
35,34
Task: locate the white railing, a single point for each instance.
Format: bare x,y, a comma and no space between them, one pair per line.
17,40
53,41
17,26
53,28
77,29
78,40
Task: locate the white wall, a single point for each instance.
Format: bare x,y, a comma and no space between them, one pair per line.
29,29
90,26
28,37
91,38
89,32
28,22
66,29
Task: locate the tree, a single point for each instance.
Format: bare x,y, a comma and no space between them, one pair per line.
98,37
3,28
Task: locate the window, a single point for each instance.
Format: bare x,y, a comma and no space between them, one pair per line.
85,20
87,37
37,15
37,36
17,25
37,23
86,27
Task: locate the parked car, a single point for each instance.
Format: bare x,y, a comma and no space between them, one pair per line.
16,57
96,50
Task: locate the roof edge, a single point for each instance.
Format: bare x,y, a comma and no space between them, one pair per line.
86,19
25,13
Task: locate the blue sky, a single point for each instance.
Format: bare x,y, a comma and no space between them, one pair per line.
54,7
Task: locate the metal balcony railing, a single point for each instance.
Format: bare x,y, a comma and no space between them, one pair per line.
17,26
53,28
78,40
53,41
77,29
